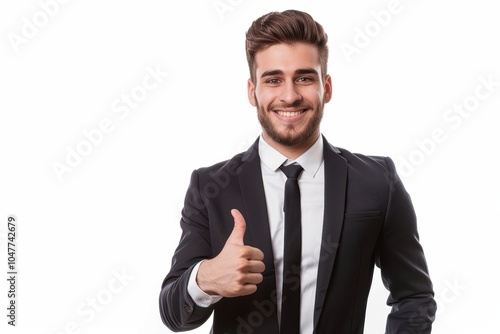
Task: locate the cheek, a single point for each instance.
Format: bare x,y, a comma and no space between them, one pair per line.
314,95
264,97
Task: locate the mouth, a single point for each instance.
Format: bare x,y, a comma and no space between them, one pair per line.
287,114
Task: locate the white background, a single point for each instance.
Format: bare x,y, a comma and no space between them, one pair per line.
118,210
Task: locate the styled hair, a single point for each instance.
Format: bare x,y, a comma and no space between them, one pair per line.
289,27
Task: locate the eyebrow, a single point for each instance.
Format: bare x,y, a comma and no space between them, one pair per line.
297,72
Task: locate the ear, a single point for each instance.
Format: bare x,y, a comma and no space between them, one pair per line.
251,93
327,95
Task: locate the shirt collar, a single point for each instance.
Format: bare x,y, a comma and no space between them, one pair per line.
310,160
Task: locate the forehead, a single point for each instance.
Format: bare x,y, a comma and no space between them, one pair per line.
287,58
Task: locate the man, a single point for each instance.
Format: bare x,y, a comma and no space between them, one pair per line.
247,255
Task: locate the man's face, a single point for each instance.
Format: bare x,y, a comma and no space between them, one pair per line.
289,94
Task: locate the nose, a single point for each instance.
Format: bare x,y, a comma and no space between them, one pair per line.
289,93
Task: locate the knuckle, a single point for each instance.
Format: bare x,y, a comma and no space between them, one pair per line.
234,291
242,265
242,252
240,279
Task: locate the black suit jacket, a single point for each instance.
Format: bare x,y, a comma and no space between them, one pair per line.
368,219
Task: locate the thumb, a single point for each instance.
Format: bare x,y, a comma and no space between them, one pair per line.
240,226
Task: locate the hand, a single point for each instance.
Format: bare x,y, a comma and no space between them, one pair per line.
237,269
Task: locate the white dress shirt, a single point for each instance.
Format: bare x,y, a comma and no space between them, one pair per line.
311,184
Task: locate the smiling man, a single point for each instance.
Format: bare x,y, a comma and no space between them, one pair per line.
284,237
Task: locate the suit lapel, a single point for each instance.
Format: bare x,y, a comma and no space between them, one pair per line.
258,233
335,192
252,190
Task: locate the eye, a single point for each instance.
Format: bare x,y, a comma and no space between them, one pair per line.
273,81
304,79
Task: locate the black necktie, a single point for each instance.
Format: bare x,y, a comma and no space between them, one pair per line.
290,305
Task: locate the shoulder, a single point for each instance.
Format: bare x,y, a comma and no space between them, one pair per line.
233,165
365,171
363,161
230,165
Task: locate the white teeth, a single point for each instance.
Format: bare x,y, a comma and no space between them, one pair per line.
289,113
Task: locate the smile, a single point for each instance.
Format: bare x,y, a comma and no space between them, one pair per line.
290,113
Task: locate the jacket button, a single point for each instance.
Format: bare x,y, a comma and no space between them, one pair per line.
188,308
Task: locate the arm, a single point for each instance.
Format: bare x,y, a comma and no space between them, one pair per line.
177,309
234,272
403,266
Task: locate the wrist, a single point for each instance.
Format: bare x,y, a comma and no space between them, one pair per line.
203,278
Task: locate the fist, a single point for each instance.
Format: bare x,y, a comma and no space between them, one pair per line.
237,269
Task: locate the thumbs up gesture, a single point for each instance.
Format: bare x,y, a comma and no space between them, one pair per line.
237,269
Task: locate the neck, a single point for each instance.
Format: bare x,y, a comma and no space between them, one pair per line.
291,152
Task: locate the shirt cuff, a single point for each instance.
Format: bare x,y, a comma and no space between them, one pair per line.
200,298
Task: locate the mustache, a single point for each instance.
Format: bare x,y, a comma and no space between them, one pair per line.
295,105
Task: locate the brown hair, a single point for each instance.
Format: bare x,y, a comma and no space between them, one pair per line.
291,26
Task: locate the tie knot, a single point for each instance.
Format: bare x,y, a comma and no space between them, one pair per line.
292,171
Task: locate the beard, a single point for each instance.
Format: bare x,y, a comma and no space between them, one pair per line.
291,136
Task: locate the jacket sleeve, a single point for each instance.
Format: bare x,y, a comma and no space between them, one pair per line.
177,309
403,265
